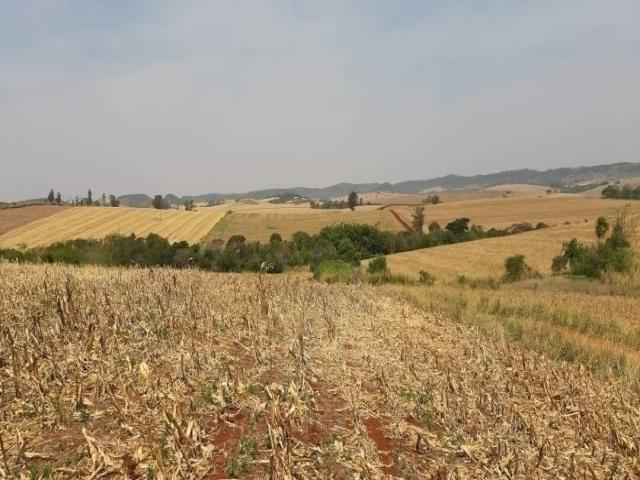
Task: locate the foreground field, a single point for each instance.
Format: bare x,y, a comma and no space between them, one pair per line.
594,323
98,222
181,374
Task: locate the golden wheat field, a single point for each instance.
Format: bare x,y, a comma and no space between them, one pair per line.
12,218
448,196
157,373
98,222
260,223
485,258
554,209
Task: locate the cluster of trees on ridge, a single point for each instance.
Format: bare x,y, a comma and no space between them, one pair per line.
352,200
626,192
347,242
56,199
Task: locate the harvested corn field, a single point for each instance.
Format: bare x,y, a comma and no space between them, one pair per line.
180,374
98,222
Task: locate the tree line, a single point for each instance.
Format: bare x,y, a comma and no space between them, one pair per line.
103,201
626,192
348,242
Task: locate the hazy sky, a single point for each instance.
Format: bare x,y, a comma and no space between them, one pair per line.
200,96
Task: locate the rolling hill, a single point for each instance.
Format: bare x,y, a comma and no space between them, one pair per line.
557,177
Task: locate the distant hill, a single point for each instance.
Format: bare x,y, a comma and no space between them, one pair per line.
556,177
135,200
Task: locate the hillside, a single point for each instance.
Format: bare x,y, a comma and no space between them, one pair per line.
182,374
15,217
557,177
98,222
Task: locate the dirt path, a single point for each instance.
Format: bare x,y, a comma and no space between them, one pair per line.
406,226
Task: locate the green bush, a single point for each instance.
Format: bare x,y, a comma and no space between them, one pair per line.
378,265
334,271
613,254
516,269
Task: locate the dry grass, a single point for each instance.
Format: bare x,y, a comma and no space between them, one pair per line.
12,218
485,258
97,222
261,223
578,321
553,209
166,374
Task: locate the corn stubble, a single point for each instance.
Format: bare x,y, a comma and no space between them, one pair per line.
125,373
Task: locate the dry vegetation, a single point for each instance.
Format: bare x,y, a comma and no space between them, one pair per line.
260,223
449,196
97,222
15,217
177,374
580,321
501,212
485,258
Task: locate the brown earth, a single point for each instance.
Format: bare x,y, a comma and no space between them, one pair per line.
11,218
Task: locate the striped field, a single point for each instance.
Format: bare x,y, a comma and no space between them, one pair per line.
98,222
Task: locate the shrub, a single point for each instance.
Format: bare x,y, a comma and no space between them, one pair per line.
425,278
378,265
516,269
334,271
613,254
602,227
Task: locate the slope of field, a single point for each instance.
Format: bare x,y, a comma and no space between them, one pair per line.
485,258
553,209
97,222
12,218
228,376
261,222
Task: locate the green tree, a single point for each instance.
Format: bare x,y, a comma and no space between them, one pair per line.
434,227
458,226
103,200
602,227
113,201
158,202
275,238
58,199
51,197
352,200
188,205
418,219
516,269
432,198
89,198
